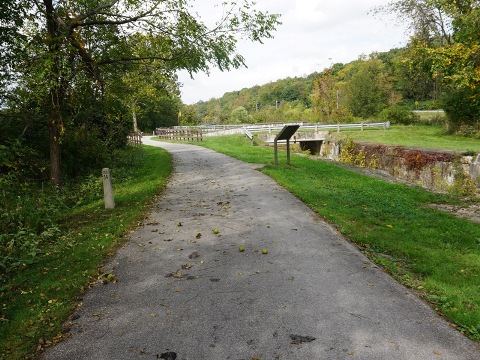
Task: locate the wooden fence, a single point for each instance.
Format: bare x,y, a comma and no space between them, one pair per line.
135,139
186,134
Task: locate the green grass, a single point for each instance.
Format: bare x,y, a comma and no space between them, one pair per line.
432,252
418,136
36,300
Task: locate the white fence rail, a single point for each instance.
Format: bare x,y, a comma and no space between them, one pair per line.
247,133
239,129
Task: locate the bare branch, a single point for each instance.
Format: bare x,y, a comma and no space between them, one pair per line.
78,23
96,11
142,58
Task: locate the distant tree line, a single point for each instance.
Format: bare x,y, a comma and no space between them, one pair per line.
357,91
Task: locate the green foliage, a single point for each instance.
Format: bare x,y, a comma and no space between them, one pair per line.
31,210
161,112
326,98
19,161
49,266
283,100
78,76
462,107
398,115
29,219
240,116
445,49
367,89
463,184
350,154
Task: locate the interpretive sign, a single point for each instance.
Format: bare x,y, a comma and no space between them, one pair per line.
285,134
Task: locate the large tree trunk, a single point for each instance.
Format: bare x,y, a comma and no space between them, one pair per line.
55,123
55,129
134,117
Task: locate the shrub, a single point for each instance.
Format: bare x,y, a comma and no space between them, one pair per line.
398,115
462,107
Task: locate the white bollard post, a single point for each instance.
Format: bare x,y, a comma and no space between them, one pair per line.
107,189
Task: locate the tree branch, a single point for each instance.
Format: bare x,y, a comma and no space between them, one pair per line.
142,58
96,11
77,22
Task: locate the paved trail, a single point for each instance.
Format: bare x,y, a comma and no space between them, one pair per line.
185,291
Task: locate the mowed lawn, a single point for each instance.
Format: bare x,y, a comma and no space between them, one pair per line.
433,137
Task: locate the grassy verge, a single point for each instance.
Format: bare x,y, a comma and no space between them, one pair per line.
420,136
432,252
36,300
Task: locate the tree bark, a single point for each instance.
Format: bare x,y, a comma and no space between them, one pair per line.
134,117
55,129
55,122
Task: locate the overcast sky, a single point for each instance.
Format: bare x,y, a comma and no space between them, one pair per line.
314,34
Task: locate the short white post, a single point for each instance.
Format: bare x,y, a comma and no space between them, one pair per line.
107,189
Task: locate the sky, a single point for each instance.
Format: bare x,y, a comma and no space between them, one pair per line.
314,35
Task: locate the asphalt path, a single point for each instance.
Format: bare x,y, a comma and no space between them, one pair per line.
184,291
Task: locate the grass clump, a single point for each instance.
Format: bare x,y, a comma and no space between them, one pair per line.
39,289
428,250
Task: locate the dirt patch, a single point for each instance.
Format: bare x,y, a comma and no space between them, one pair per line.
471,212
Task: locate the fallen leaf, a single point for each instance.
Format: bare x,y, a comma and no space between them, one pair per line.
299,339
167,356
193,255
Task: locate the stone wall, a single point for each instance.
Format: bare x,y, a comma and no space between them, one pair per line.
433,169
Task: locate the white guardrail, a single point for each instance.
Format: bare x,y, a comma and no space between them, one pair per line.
248,128
247,133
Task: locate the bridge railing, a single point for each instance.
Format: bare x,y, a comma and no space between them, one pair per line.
316,127
279,126
255,128
184,133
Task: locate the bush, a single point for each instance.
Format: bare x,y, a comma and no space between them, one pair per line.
21,161
398,115
27,221
462,107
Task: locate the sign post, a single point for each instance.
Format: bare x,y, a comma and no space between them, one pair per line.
107,189
285,134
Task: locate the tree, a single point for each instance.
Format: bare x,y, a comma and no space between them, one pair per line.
326,97
367,89
11,19
93,42
446,42
144,84
428,19
240,116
